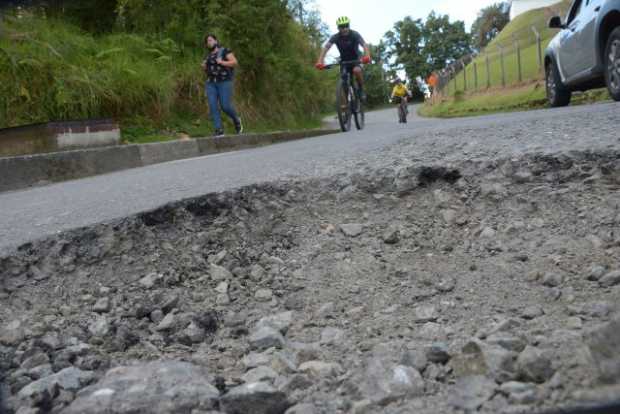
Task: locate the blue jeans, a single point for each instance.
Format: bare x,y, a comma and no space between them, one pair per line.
220,93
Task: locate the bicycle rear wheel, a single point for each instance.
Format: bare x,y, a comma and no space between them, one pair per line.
343,108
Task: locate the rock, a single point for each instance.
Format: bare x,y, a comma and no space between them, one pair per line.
414,358
255,359
12,334
610,279
479,358
332,336
167,323
294,383
532,312
218,258
170,303
437,353
320,369
519,392
596,272
604,342
552,279
35,360
222,299
432,331
157,316
266,337
194,333
222,288
449,215
383,384
257,273
471,392
425,313
263,295
507,341
487,233
150,280
305,352
102,305
255,398
156,387
391,236
284,363
100,327
280,321
534,366
259,374
302,409
69,379
351,230
446,284
219,273
40,371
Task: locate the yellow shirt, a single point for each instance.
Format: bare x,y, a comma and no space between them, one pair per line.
400,90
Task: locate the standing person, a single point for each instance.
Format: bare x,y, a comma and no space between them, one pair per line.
348,42
219,64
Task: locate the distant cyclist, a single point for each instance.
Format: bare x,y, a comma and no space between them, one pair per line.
400,91
348,42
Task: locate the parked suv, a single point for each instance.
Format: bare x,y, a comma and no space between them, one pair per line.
585,54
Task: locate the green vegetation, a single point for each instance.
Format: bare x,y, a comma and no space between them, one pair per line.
148,76
502,100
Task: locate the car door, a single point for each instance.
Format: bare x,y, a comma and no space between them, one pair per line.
586,36
569,41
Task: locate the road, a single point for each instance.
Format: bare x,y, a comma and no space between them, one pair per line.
38,212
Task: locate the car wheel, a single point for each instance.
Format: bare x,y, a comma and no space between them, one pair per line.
557,93
612,63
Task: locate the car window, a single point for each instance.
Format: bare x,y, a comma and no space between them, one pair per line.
574,11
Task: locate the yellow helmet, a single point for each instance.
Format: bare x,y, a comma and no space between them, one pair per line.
344,20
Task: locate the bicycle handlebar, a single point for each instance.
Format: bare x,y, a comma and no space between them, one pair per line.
341,63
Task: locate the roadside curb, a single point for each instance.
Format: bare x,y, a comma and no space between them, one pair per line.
30,170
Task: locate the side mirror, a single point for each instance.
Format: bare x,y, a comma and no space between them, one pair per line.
556,23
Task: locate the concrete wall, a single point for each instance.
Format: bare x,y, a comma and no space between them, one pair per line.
58,136
30,170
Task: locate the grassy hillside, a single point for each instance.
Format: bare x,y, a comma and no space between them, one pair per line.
51,70
519,29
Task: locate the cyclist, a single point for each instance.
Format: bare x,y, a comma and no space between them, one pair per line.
401,92
348,42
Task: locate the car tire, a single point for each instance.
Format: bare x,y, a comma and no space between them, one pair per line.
557,94
612,64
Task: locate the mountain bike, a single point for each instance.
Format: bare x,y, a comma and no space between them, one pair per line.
402,109
349,104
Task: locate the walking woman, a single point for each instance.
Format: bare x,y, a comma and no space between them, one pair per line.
219,64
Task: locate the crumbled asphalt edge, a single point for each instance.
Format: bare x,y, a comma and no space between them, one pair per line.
263,205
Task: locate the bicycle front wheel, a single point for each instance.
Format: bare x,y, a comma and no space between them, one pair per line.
343,108
358,113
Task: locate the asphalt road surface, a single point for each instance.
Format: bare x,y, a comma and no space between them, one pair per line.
38,212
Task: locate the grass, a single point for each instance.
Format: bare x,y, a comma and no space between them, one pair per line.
519,29
489,95
525,97
50,71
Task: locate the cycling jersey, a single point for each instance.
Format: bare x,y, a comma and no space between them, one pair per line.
348,45
400,90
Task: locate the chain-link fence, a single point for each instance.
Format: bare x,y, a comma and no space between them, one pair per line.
514,57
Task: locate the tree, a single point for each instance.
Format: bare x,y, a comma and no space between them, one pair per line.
419,47
307,14
444,42
491,20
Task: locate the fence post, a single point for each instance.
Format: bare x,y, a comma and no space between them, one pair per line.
501,59
475,76
486,58
518,48
464,76
539,43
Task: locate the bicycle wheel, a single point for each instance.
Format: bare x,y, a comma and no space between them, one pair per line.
342,107
401,114
358,113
